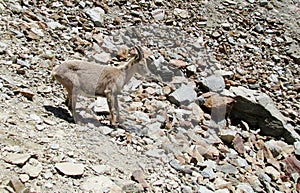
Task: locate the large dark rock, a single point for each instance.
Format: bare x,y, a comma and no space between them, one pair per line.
259,111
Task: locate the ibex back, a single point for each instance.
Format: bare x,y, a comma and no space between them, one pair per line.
90,79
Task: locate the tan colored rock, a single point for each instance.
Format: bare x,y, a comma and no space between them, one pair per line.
138,175
178,63
100,184
275,174
16,184
18,159
238,144
70,169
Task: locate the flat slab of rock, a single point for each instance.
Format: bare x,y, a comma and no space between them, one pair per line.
70,169
100,184
183,95
259,111
33,170
101,106
16,158
213,83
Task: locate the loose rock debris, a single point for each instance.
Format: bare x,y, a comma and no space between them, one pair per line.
220,114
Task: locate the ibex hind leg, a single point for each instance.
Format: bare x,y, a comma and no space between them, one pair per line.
111,104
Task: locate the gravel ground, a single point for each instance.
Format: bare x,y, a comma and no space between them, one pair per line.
219,112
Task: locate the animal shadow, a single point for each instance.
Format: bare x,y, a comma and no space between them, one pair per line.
64,114
60,112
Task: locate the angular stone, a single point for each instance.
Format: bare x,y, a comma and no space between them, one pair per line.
292,165
70,169
158,14
33,169
106,130
243,187
221,183
97,15
296,58
224,190
16,184
101,106
208,151
54,25
178,63
3,47
227,135
26,93
138,175
102,58
208,173
213,83
228,169
186,189
154,131
218,106
177,166
197,113
275,175
181,13
100,184
278,147
183,95
101,169
297,148
156,153
238,144
24,177
258,110
203,189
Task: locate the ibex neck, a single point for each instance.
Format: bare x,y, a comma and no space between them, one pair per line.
129,68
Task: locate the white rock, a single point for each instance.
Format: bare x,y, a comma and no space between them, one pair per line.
243,187
101,169
70,169
103,57
158,14
203,189
54,25
183,95
106,130
181,13
297,148
100,184
97,15
197,113
24,177
224,190
18,159
33,169
275,175
101,106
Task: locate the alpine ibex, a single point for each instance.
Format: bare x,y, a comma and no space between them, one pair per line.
80,77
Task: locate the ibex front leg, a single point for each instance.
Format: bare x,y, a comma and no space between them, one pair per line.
72,103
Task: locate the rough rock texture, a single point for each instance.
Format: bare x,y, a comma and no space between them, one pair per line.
259,111
188,143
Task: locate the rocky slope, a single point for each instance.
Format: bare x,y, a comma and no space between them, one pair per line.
220,112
